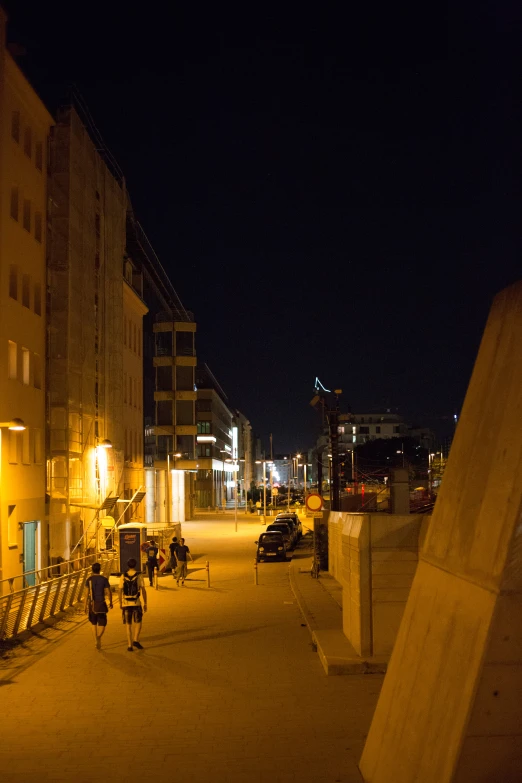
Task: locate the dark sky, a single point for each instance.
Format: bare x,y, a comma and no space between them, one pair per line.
332,194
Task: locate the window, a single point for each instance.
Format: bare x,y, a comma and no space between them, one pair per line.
396,430
203,450
38,155
12,360
37,371
15,444
13,281
27,214
378,430
124,387
26,290
26,366
14,203
124,330
37,298
26,447
38,226
12,525
37,446
28,141
203,428
15,126
364,430
130,390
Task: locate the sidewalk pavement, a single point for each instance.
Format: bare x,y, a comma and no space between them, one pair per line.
228,687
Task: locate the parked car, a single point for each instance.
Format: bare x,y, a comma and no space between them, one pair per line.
271,545
291,515
290,521
282,527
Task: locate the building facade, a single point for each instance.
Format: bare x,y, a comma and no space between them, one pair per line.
24,131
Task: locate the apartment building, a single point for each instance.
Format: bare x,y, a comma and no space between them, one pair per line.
86,244
24,131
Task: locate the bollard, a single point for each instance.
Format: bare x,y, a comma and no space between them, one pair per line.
208,573
156,580
255,572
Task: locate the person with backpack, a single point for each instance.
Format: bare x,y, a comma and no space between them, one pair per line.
152,559
98,590
130,590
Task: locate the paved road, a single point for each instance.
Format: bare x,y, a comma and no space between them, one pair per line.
228,687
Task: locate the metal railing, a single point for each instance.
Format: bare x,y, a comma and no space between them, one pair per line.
22,609
32,578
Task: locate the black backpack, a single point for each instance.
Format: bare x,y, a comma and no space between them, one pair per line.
131,590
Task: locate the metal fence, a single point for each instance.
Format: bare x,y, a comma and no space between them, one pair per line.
23,609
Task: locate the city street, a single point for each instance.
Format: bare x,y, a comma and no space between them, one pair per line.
228,687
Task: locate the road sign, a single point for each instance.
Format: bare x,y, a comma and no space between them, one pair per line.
275,491
314,501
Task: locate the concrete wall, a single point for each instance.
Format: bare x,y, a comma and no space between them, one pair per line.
374,557
450,706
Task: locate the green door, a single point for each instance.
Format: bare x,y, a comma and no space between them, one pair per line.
30,551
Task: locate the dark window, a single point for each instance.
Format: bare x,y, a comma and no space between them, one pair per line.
184,379
164,378
27,214
184,412
164,344
28,142
396,429
15,125
38,155
364,430
378,430
14,203
26,290
184,344
38,226
185,445
164,412
13,281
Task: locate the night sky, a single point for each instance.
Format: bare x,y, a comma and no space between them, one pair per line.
332,195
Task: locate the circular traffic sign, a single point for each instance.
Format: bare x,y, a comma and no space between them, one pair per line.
314,501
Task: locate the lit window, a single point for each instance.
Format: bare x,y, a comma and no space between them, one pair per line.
15,125
14,203
28,142
27,214
26,366
12,360
13,281
38,155
38,226
26,290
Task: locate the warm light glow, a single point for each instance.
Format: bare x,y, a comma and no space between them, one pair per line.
205,439
17,425
105,444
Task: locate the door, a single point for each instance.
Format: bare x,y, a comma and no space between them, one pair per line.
30,551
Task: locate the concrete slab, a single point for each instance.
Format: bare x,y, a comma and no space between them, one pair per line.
339,657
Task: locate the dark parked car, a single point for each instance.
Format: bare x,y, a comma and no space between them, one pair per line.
271,545
285,515
282,527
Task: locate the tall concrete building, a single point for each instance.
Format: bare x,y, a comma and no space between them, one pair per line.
24,130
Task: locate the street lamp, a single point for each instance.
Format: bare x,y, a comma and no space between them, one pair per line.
265,463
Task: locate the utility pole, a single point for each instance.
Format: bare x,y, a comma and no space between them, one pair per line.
331,412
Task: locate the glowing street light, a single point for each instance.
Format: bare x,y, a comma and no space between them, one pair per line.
15,424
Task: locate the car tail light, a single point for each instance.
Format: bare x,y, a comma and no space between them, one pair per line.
261,548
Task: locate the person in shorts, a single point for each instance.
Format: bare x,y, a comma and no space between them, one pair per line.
182,552
98,592
131,590
173,562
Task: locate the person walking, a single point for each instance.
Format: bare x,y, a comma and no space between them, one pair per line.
98,590
173,561
130,590
152,559
182,552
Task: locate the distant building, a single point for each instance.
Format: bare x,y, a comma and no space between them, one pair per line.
215,476
24,131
